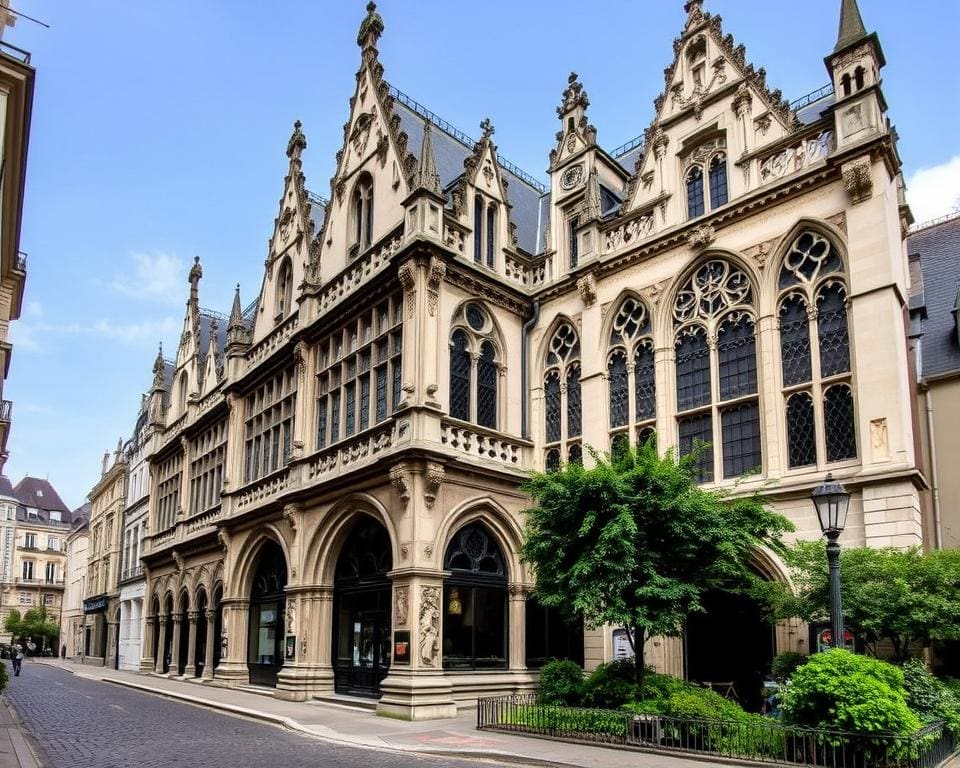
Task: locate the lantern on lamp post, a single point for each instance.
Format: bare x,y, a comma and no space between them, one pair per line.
832,501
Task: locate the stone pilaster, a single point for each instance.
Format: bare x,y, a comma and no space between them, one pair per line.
190,670
211,617
175,645
162,646
518,625
233,655
147,661
309,673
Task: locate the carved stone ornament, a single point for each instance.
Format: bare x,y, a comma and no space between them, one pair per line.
178,559
432,480
300,358
291,619
223,538
572,177
400,479
858,179
438,270
653,292
401,605
587,287
429,626
701,237
290,514
407,275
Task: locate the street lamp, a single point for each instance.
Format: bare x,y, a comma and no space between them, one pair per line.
832,500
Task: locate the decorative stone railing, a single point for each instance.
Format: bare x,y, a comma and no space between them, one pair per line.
480,443
358,450
263,489
274,341
358,273
453,239
516,271
203,520
634,230
796,157
209,401
162,538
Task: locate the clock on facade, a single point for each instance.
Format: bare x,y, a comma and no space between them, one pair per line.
571,177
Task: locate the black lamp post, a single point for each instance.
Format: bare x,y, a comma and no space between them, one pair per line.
832,500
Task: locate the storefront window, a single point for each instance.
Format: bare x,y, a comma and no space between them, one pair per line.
551,636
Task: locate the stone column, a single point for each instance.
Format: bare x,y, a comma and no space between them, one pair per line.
175,645
190,670
147,661
211,617
161,647
233,656
112,645
309,618
518,626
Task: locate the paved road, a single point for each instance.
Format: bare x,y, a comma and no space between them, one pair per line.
80,723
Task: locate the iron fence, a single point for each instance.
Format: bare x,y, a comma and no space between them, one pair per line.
755,739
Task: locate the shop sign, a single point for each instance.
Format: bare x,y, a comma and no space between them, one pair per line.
401,647
95,604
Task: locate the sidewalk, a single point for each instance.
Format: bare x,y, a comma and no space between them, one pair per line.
14,750
362,728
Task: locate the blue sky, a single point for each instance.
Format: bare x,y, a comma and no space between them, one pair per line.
159,132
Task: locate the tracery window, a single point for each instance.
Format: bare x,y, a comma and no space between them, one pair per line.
816,377
563,409
716,371
630,373
207,454
474,601
168,491
706,167
475,367
484,231
268,429
362,212
284,289
360,372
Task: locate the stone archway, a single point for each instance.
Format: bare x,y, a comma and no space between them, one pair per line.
267,615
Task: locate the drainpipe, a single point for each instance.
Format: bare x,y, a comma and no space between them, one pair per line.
937,528
524,373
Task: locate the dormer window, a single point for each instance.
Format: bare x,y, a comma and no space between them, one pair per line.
707,170
362,211
284,289
484,231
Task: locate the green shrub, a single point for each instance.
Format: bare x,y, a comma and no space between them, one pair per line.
561,682
4,676
785,664
929,697
612,685
562,719
703,704
839,689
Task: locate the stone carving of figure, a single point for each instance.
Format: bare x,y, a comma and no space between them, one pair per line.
429,626
291,618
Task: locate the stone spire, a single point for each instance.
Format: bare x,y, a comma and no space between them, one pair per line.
237,335
158,369
370,30
297,143
426,177
851,25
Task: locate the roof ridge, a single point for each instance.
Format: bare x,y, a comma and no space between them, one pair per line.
930,223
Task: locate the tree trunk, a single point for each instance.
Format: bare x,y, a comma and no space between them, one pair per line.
639,643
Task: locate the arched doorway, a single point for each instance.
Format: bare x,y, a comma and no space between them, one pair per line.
168,636
217,625
361,633
267,608
201,634
155,620
475,602
730,646
183,641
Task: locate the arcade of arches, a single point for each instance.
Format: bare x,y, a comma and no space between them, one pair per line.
357,624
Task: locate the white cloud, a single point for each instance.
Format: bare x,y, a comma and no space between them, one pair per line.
155,276
934,192
27,336
33,309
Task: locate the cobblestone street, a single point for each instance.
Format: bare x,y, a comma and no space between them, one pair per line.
79,723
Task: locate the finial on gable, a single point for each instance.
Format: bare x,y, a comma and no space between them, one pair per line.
370,30
196,272
487,129
574,96
426,176
158,369
297,143
694,11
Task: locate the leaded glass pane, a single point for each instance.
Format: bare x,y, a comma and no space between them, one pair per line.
335,416
322,422
574,414
718,181
645,383
693,368
349,408
630,321
832,330
839,428
476,317
619,387
491,233
810,256
552,461
698,431
574,244
551,398
459,377
575,454
695,192
801,430
737,357
363,417
478,229
381,393
487,387
740,427
564,345
795,341
397,373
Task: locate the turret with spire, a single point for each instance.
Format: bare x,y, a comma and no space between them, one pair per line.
424,205
156,398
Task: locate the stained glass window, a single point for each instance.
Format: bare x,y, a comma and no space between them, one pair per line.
574,415
718,181
839,427
795,341
381,393
553,460
575,454
645,381
322,422
459,377
619,404
832,330
693,368
574,245
491,233
349,408
478,229
696,431
737,357
801,430
487,387
695,192
551,390
363,415
740,426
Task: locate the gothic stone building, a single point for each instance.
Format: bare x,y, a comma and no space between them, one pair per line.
334,501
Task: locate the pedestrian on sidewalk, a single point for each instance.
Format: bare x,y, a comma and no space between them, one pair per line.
17,659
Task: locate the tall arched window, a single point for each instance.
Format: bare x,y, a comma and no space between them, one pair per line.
630,372
474,602
816,378
284,289
478,229
475,367
562,404
491,233
706,164
716,369
182,393
362,210
718,180
695,206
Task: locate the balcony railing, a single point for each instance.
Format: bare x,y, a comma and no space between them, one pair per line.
15,53
131,573
6,410
39,582
21,263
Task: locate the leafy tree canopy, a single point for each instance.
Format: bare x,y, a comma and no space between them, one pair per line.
635,542
903,596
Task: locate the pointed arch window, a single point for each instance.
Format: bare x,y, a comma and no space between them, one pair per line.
491,233
706,170
362,211
816,377
718,180
695,206
630,374
716,371
284,301
478,229
563,408
475,367
484,231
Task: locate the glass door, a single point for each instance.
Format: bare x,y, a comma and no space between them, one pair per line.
265,647
363,645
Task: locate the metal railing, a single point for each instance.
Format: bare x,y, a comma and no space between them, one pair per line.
821,93
636,141
15,53
755,738
21,263
919,227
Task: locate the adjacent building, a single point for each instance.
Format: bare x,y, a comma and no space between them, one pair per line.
72,616
335,498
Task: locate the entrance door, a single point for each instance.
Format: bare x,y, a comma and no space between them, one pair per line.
363,652
267,607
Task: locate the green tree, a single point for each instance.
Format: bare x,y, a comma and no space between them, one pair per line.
40,626
13,623
634,542
903,596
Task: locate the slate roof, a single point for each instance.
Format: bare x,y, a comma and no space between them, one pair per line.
6,487
37,492
450,151
938,247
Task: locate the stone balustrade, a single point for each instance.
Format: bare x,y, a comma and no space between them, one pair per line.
260,490
358,273
794,158
272,342
363,448
480,443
